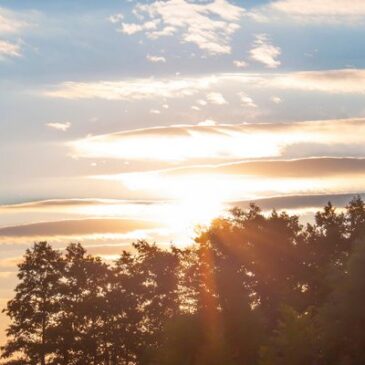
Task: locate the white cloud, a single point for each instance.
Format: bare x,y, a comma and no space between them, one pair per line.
132,89
155,111
206,88
322,10
216,98
331,81
246,100
212,141
8,49
240,64
61,126
264,52
132,28
202,102
276,99
116,18
208,123
10,22
156,58
207,25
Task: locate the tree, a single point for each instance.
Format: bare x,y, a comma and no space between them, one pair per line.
159,271
342,317
81,327
254,288
35,307
124,301
294,341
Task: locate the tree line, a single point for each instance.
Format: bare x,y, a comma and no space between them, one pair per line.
253,289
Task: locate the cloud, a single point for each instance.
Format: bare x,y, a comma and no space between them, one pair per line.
340,81
240,64
329,81
322,11
132,28
132,89
156,58
77,227
296,168
298,201
227,141
208,25
216,98
276,99
59,204
155,111
246,100
61,126
11,22
264,52
116,18
9,49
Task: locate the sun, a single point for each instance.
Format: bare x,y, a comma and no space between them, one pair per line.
197,205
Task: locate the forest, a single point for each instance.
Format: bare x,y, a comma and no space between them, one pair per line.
253,289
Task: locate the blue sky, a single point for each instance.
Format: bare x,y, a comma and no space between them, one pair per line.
89,42
132,112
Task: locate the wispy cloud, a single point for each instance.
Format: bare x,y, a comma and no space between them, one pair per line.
11,22
322,11
156,58
132,28
9,49
227,141
264,52
207,25
116,18
327,81
216,98
296,168
276,99
78,227
240,63
61,126
132,89
246,100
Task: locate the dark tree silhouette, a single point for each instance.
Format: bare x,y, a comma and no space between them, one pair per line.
253,289
36,305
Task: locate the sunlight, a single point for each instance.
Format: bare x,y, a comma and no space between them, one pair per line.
169,144
196,207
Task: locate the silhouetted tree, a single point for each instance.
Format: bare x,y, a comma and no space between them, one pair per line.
254,288
35,307
294,340
343,316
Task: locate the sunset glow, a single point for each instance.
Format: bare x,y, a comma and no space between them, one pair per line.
135,120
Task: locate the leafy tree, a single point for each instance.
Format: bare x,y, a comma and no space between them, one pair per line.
253,289
343,317
125,300
81,327
294,341
160,289
35,307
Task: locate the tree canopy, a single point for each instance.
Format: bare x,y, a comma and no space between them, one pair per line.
253,289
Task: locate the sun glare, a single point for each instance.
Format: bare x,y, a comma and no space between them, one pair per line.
196,207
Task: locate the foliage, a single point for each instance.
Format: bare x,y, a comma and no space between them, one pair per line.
253,289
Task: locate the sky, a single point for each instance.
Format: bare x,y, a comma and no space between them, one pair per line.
126,120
